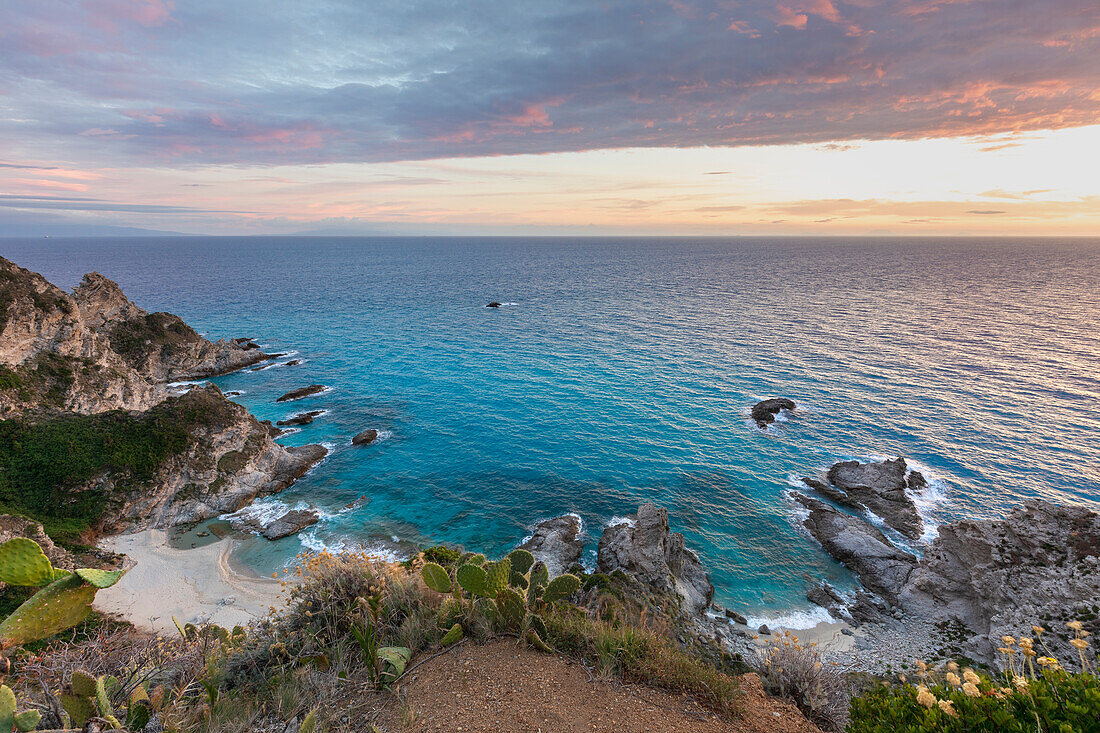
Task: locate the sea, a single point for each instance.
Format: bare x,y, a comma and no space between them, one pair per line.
622,370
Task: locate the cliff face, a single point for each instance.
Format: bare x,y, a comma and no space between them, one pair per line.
94,350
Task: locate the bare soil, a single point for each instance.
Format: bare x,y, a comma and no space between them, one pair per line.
503,687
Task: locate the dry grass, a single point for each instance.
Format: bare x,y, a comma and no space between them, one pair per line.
821,690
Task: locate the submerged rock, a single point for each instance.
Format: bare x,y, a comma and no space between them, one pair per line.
366,437
657,557
557,543
301,392
302,418
764,412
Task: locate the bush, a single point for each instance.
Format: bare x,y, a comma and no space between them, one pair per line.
1035,695
820,689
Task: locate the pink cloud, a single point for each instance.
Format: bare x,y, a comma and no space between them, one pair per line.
789,17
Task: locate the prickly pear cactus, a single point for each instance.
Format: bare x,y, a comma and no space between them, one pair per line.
518,580
453,635
511,608
496,576
472,579
540,574
561,587
60,605
100,578
436,578
522,560
22,562
393,660
11,720
450,611
536,641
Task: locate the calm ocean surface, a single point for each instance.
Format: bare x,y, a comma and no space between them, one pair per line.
622,370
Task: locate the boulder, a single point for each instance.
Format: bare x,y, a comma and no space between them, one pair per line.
645,548
494,304
290,523
301,392
880,566
294,362
764,412
557,543
736,617
366,437
302,418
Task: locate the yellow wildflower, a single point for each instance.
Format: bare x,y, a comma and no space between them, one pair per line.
1038,630
953,679
1079,643
1020,682
1075,625
1008,640
953,666
971,677
924,697
971,689
946,706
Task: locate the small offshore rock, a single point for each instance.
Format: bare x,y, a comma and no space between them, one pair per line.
302,418
294,362
293,521
764,630
764,412
366,437
494,304
736,617
301,392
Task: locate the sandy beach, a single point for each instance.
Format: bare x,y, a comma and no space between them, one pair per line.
195,585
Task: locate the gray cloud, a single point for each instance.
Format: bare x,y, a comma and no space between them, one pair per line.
61,203
274,81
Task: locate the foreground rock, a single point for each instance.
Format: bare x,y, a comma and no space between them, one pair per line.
645,548
989,578
881,488
302,418
764,412
366,437
557,542
297,394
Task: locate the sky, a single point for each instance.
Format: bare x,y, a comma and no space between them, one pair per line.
720,117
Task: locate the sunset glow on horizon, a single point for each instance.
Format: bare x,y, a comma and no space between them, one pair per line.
711,118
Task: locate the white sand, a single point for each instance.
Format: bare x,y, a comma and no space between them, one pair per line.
195,585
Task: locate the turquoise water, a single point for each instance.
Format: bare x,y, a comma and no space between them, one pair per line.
622,370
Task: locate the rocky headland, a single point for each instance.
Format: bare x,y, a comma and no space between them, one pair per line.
94,370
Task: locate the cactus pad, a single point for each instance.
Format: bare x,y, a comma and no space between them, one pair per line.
496,576
522,560
22,562
436,578
472,579
60,605
453,635
100,578
511,608
561,587
393,659
7,709
82,684
540,574
517,580
27,720
536,641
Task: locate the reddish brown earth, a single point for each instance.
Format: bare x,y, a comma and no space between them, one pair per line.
504,688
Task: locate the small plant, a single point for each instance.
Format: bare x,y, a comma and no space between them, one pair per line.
1033,694
789,668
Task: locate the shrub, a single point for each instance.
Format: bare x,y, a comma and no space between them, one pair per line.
819,688
1034,694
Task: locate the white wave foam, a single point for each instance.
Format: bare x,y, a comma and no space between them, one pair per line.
289,431
793,620
311,541
266,511
617,521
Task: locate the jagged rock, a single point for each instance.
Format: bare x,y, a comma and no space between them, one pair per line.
366,437
764,630
302,418
657,557
297,394
863,548
764,412
293,521
557,543
736,617
826,596
876,487
294,362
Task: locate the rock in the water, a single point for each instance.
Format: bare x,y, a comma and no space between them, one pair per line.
880,566
764,412
366,437
876,487
302,418
301,392
657,557
293,521
557,543
826,596
494,304
736,617
294,362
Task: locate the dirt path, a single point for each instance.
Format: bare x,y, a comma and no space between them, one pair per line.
505,688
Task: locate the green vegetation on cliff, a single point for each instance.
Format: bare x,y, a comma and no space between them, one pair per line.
47,461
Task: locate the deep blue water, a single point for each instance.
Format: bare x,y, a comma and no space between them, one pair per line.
624,371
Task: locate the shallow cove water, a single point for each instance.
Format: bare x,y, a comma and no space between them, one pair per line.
622,370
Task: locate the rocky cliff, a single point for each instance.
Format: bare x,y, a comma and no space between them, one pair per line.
94,350
90,369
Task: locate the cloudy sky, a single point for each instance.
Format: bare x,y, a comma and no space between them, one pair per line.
557,116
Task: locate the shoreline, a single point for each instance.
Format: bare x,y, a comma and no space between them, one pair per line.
197,585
